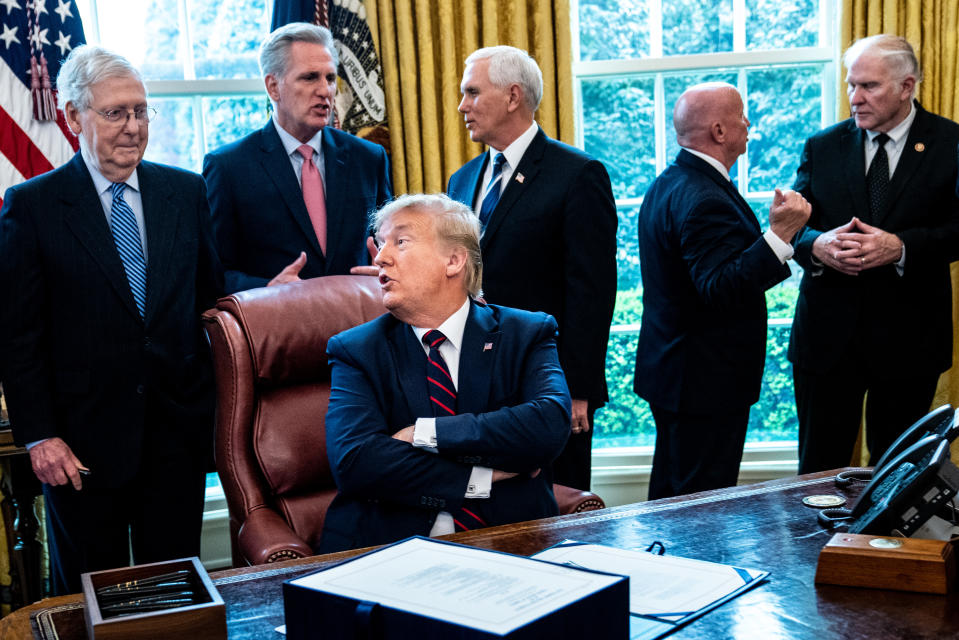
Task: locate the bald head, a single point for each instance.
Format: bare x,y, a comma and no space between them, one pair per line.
709,118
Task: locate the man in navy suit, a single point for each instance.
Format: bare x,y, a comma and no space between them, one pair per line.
706,266
445,413
874,315
294,197
549,230
108,262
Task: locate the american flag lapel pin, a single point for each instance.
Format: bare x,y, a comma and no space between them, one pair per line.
488,346
520,177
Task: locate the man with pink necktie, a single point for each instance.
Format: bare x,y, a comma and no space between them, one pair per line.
293,198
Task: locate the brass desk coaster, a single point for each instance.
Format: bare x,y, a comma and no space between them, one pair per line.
904,564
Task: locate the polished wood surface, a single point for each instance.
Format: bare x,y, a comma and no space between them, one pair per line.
763,526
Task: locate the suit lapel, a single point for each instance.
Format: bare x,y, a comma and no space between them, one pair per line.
481,342
694,162
853,160
83,214
909,160
162,219
276,164
410,363
522,179
334,161
467,187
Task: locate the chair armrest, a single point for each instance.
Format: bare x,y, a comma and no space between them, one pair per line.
265,537
572,500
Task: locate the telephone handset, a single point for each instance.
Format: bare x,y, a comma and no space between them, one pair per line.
908,490
943,421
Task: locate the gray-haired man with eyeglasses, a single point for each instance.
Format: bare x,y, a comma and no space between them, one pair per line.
105,266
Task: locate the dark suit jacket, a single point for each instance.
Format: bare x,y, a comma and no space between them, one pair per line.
908,318
260,220
513,415
705,269
78,362
550,246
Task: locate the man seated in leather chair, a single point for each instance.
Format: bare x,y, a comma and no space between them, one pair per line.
444,414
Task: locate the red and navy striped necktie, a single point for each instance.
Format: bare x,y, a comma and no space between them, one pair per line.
438,378
443,398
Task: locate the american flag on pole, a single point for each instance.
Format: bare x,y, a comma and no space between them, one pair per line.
35,36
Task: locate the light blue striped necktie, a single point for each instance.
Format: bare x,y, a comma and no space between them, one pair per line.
493,190
126,235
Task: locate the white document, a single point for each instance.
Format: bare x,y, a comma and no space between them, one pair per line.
664,587
472,587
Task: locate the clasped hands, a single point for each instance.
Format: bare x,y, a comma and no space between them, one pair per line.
406,435
856,246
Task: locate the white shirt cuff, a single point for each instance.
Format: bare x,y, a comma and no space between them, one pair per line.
424,434
901,263
783,250
480,484
31,445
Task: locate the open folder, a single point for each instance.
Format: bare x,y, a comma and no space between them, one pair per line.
665,592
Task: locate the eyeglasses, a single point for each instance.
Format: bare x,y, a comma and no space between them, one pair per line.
117,116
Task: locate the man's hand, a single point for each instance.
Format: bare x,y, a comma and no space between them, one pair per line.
876,247
54,463
405,434
291,272
788,214
580,417
368,270
839,249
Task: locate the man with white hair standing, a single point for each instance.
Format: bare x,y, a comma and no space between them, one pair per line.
443,412
549,229
874,315
108,262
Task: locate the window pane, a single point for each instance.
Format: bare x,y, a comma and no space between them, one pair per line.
691,26
777,134
673,87
774,24
774,416
229,118
618,128
626,420
226,37
627,258
147,33
173,134
613,29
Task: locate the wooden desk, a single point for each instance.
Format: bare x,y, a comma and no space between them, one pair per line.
763,526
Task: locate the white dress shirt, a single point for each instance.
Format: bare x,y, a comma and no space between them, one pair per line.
291,145
424,431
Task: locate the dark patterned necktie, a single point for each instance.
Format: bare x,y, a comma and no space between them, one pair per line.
443,399
877,179
493,189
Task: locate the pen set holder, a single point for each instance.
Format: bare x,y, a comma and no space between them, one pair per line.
174,599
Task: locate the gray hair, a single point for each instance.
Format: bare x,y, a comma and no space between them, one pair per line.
86,66
275,50
509,65
455,224
895,51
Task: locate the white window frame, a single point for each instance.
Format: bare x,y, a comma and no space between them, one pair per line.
775,458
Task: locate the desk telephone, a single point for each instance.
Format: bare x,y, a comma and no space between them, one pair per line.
912,486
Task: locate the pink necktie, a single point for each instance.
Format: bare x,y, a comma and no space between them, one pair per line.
313,194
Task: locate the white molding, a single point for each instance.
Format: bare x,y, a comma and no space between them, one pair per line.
213,87
591,69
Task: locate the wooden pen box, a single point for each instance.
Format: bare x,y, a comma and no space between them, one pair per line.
201,620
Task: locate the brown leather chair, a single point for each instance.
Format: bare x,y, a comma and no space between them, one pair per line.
273,387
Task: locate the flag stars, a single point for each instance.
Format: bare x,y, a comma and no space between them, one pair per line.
63,10
40,6
64,43
38,38
9,35
10,5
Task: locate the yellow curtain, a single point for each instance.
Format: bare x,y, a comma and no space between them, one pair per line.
422,45
931,28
